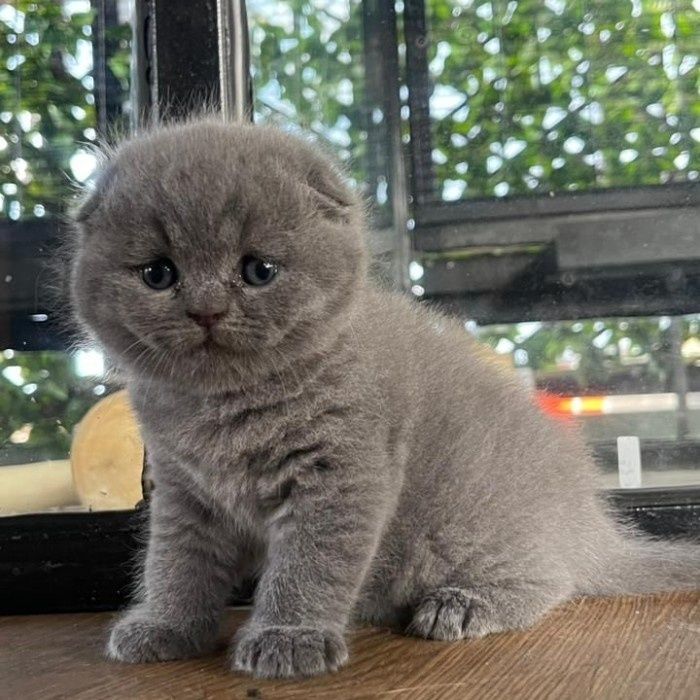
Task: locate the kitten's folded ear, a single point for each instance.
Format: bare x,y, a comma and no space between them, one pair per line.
330,194
95,192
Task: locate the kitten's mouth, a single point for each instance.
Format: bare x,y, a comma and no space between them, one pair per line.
215,345
209,342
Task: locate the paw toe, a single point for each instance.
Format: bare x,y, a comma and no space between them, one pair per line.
443,614
143,640
286,652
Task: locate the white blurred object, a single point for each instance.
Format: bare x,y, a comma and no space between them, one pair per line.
89,363
629,462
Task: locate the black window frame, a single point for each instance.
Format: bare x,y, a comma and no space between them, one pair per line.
560,224
52,562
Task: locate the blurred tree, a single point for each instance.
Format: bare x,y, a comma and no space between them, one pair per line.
41,400
47,103
541,97
629,355
527,97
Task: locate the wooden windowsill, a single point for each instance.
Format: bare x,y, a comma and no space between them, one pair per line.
606,648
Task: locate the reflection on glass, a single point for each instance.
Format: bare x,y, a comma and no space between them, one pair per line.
616,377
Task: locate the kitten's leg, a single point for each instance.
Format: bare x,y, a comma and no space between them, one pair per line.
453,612
187,576
320,549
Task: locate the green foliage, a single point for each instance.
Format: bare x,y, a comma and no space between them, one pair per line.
630,354
528,96
46,108
308,71
47,105
538,97
41,400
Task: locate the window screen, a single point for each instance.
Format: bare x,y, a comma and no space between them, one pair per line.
530,97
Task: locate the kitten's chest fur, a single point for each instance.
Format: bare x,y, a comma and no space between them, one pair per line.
240,451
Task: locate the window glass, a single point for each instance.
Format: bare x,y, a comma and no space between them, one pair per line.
592,111
310,73
532,97
616,377
489,100
64,79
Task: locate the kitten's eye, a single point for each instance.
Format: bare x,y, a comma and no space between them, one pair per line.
258,272
159,274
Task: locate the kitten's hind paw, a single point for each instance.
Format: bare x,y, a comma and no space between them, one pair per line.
444,614
288,652
139,639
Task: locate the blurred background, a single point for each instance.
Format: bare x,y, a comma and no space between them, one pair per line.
532,166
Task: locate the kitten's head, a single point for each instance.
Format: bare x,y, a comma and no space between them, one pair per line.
209,253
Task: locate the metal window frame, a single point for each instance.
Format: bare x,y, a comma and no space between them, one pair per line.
169,82
391,238
565,225
107,87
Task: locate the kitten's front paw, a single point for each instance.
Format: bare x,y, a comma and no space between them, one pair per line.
138,639
286,652
444,614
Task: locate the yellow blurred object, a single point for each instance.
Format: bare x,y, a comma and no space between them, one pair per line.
107,456
32,488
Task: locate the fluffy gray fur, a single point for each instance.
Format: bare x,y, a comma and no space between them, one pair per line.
356,450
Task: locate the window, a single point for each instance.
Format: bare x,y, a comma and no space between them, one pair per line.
64,77
534,97
554,159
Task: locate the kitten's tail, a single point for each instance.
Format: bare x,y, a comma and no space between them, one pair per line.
637,565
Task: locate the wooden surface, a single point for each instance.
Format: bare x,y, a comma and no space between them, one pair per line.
615,648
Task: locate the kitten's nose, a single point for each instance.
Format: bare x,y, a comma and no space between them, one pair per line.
206,320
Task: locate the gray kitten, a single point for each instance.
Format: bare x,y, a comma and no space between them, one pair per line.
356,450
